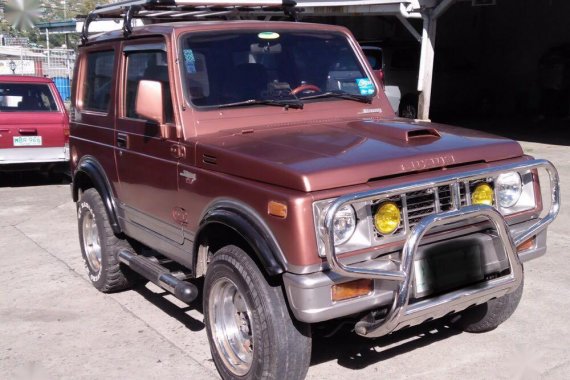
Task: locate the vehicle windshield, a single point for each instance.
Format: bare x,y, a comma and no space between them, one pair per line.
237,67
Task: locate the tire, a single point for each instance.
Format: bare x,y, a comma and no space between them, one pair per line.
408,109
250,330
490,315
100,246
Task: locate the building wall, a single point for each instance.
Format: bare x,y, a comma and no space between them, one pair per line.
506,42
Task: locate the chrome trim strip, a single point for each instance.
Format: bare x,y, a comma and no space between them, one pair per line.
437,201
405,274
541,224
455,196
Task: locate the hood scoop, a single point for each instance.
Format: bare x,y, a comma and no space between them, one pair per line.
398,131
422,132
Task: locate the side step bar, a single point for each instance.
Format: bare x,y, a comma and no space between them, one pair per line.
159,275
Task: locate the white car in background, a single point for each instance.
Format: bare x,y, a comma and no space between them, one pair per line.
397,68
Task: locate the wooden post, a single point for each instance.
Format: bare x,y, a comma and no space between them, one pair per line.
426,65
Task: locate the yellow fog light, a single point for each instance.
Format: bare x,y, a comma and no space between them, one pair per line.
483,195
387,218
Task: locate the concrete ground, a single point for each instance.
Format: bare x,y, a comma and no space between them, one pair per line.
55,325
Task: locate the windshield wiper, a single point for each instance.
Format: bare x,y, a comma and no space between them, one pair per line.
340,94
279,103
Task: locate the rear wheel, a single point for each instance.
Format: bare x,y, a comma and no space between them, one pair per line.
251,333
100,246
490,315
408,111
408,107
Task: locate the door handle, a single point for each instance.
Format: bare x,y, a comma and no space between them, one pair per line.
28,131
122,140
178,151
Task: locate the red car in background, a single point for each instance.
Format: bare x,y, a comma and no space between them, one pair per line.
34,125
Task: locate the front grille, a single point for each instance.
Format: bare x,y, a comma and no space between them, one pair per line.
416,205
419,204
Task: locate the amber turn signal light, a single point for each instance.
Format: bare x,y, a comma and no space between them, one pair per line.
526,245
277,209
351,289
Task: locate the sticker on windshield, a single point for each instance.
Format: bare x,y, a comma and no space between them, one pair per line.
365,86
268,35
189,61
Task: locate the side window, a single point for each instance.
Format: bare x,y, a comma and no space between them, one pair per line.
147,65
97,95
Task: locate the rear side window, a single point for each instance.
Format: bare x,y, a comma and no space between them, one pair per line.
147,65
26,97
97,95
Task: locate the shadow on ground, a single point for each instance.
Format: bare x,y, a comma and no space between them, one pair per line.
345,347
355,352
160,300
31,178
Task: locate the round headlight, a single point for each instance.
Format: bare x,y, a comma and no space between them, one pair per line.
387,218
509,189
482,195
344,224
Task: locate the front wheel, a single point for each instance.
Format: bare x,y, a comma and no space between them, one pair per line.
251,333
490,315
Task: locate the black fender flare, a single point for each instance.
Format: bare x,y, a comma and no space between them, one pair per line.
89,167
247,224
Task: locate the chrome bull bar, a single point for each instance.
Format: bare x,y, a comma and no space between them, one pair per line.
402,314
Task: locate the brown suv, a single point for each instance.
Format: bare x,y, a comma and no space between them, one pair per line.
264,157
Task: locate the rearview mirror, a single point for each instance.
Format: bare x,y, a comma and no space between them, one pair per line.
149,104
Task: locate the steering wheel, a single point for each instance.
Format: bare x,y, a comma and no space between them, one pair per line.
305,88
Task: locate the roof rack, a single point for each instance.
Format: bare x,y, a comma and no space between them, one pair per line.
185,10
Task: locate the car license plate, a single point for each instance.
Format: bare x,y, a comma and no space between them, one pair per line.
446,270
27,140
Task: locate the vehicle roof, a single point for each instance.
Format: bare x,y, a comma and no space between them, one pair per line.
24,78
183,26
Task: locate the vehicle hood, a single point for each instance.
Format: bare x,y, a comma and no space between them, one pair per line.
318,156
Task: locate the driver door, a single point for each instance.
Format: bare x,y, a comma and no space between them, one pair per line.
147,167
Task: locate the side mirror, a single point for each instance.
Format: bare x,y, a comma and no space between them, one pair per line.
149,104
380,75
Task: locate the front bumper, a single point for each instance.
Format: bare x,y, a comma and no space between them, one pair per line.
309,295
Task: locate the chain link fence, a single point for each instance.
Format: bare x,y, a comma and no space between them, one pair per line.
56,64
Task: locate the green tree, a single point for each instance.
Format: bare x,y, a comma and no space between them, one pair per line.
49,11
